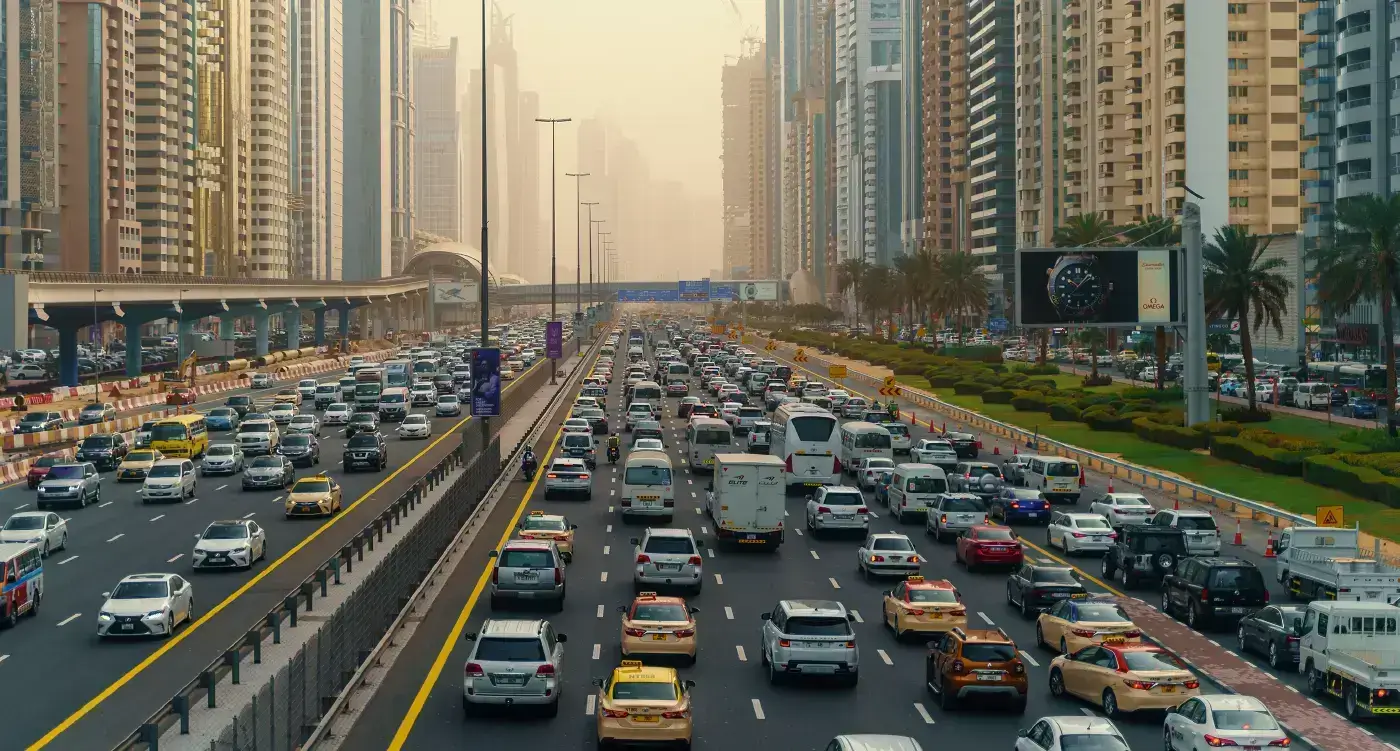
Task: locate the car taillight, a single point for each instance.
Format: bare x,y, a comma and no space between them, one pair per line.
1014,505
1205,595
558,576
877,559
1112,535
958,613
1218,742
1079,535
1193,684
474,670
1140,685
552,476
1019,668
678,715
862,510
1266,597
696,560
784,643
836,465
787,464
643,558
914,559
615,714
916,612
967,475
1281,743
544,670
1293,640
685,633
1084,632
495,576
624,503
943,519
986,519
958,666
823,510
583,476
635,632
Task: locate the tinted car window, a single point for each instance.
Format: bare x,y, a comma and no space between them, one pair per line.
1196,522
813,428
1233,577
962,504
669,546
977,652
817,626
362,442
509,650
526,559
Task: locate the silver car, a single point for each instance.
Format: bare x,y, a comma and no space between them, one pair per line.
1202,533
568,477
810,638
222,459
514,662
76,484
530,570
668,558
888,554
1014,469
953,513
304,423
982,479
146,605
837,507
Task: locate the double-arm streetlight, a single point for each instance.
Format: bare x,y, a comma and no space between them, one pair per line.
578,266
578,212
602,243
553,230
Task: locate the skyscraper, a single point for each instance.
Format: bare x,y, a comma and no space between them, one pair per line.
28,147
165,131
437,144
220,154
97,156
943,66
1044,33
270,95
991,114
319,138
737,82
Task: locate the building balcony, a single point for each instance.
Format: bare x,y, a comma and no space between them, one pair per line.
1318,22
1318,225
1317,158
1320,89
1317,124
1318,55
1317,191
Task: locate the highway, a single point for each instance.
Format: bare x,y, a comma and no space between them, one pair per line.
122,536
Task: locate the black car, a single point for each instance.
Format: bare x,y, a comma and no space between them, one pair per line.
362,422
1274,632
443,383
366,451
302,449
1209,591
965,445
38,422
598,422
269,472
239,404
1034,587
1143,552
104,450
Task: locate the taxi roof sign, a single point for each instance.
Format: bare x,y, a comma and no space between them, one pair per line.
536,513
646,595
631,663
915,579
635,671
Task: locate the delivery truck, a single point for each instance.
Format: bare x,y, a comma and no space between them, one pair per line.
746,500
1327,563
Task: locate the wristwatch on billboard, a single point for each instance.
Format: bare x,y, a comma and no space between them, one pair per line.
1077,287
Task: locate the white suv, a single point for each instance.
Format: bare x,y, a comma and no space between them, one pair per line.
810,637
1202,533
668,558
170,480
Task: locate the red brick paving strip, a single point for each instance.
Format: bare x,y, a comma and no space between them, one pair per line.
1316,725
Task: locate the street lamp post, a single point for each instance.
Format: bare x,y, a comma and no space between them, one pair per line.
96,336
578,213
601,235
578,264
485,208
553,231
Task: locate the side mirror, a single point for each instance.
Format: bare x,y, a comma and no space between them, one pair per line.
634,541
563,638
767,616
1022,733
886,593
196,536
597,682
106,594
470,636
810,496
493,554
622,608
693,611
1171,710
689,685
573,526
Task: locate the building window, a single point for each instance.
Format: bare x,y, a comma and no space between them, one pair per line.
1237,36
1239,202
1236,9
1239,119
1238,92
1238,63
1239,174
1239,147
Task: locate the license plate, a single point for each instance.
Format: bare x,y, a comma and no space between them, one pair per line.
127,627
844,517
526,576
750,541
509,680
1059,595
1168,689
646,718
658,637
668,567
936,616
989,678
708,462
648,497
1033,513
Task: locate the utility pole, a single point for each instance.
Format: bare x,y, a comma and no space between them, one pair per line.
578,265
1197,390
553,232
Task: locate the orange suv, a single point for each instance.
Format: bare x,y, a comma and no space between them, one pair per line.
967,663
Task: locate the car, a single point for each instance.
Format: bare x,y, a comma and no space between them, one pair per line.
282,413
104,450
367,450
1209,591
137,464
854,407
648,444
302,450
1014,504
658,626
686,404
43,528
448,405
541,526
965,445
1070,733
269,472
870,470
220,459
1361,408
362,422
758,440
337,413
1123,508
257,437
307,387
1218,720
317,495
415,426
70,483
288,396
146,605
809,637
528,570
222,418
677,387
1070,625
648,429
239,403
1034,587
1202,533
888,554
38,422
260,380
1014,468
982,479
986,545
423,395
305,424
633,685
837,508
181,396
952,513
1142,552
40,469
641,412
567,476
704,410
597,421
935,451
668,557
578,425
983,664
232,543
921,606
513,663
1123,678
96,413
1276,632
1079,532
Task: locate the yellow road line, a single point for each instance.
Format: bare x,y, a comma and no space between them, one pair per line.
179,637
420,699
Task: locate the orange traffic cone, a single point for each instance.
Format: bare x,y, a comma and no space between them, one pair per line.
1081,477
1269,546
1110,483
1176,504
1239,536
1015,450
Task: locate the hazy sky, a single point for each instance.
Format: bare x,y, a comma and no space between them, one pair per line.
652,67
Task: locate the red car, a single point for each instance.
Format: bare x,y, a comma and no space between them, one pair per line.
705,410
180,396
40,469
988,546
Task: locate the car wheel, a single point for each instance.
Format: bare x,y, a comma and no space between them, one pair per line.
1040,637
1057,682
1064,646
1167,739
1193,617
946,700
1167,609
1124,579
1110,703
45,552
1025,608
1273,655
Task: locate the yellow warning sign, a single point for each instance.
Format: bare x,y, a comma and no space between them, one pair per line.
890,381
1331,516
836,371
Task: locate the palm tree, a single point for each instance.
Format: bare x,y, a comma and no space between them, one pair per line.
1363,263
959,287
850,275
1080,231
1093,340
1153,230
914,275
1238,281
878,293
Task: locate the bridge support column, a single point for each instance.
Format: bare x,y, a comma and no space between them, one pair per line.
133,349
228,329
260,323
185,337
320,327
68,356
292,321
344,322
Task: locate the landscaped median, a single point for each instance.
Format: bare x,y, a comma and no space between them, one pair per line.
1240,453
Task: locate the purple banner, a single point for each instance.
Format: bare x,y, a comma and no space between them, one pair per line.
554,340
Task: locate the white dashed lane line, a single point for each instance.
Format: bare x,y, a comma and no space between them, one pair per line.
984,617
923,713
158,518
21,506
70,619
884,656
600,611
175,558
834,585
856,615
757,705
814,555
1027,657
604,576
740,650
597,651
728,612
221,487
607,549
588,706
119,536
105,505
69,559
719,579
711,551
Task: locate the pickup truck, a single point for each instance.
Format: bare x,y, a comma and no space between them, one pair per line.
1317,563
1351,651
934,451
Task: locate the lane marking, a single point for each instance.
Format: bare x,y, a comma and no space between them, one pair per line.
719,579
105,504
119,536
728,612
703,531
191,501
597,650
711,551
814,555
610,509
740,649
604,576
698,512
588,706
923,713
69,619
757,707
158,518
884,656
221,487
21,506
69,559
609,529
278,499
249,515
984,617
1087,712
1027,657
834,585
856,615
177,557
600,611
607,549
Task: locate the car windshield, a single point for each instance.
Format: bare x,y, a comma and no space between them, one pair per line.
168,432
1100,612
962,504
933,596
809,625
141,590
660,612
1196,523
239,401
1152,660
312,486
711,437
892,543
222,412
492,649
297,440
1061,469
645,475
327,388
94,407
526,559
362,442
48,461
225,532
218,449
255,426
338,407
1053,576
983,652
36,417
998,534
447,399
391,398
927,485
66,472
150,456
415,420
25,522
367,417
544,524
644,691
97,441
667,545
266,461
1092,742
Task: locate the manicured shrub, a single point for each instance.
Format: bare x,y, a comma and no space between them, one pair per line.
1170,435
1258,455
968,388
1232,413
1038,370
1062,411
1334,471
1028,401
998,396
1214,428
1173,394
1099,418
1374,440
1102,380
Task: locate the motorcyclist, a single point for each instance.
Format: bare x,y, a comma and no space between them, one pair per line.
894,410
528,463
614,447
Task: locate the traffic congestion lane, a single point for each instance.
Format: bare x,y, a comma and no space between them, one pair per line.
123,536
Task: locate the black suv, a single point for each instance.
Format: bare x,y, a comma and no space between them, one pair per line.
1210,591
1143,552
366,451
1034,587
240,404
105,450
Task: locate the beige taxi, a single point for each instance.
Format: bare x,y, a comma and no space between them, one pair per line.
1070,625
647,704
541,526
137,464
658,626
924,606
1122,677
318,495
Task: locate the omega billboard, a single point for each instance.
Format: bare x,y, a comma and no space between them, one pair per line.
1109,287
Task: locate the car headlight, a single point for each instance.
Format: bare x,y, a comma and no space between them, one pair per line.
40,538
156,614
105,616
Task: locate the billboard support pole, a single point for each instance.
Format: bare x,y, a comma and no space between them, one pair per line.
1197,391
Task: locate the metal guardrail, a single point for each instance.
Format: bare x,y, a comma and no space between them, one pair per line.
75,277
301,599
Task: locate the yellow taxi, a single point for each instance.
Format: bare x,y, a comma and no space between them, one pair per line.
1070,625
288,396
924,606
137,464
1123,677
641,703
541,526
318,495
658,626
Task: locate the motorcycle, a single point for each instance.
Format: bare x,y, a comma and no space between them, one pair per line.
528,466
613,453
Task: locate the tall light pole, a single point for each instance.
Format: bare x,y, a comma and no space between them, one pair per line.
553,230
485,205
578,211
601,243
97,336
578,265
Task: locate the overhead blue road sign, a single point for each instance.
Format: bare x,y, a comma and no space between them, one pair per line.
694,291
648,295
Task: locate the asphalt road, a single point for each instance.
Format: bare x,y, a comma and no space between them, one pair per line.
121,536
734,704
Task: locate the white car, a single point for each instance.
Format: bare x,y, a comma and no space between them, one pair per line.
415,426
282,412
729,412
222,459
838,397
1079,533
337,414
448,405
424,395
1202,533
577,425
870,471
43,528
261,380
1220,720
307,387
237,543
900,440
170,480
304,424
837,508
638,412
648,444
568,477
145,605
1046,733
1123,508
934,451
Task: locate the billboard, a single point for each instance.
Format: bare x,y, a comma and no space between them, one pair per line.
722,292
1099,287
648,295
554,340
486,382
696,291
758,291
455,293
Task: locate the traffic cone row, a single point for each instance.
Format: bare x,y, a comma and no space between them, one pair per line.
1239,536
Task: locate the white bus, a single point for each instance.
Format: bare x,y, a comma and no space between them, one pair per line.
808,441
647,486
864,440
705,437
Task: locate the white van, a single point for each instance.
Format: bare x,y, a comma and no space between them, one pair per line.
864,440
393,404
649,392
648,488
914,489
1055,477
1313,395
705,437
745,500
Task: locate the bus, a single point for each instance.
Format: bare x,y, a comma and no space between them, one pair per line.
425,367
863,440
807,439
180,436
705,437
397,373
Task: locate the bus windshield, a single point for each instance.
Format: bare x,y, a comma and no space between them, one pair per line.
872,440
169,432
816,428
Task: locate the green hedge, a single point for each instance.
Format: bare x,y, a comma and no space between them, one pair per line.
1332,471
1037,370
998,396
1372,440
1232,413
968,388
1170,435
1173,394
1104,418
1258,455
1029,401
979,354
944,381
1061,411
1215,428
